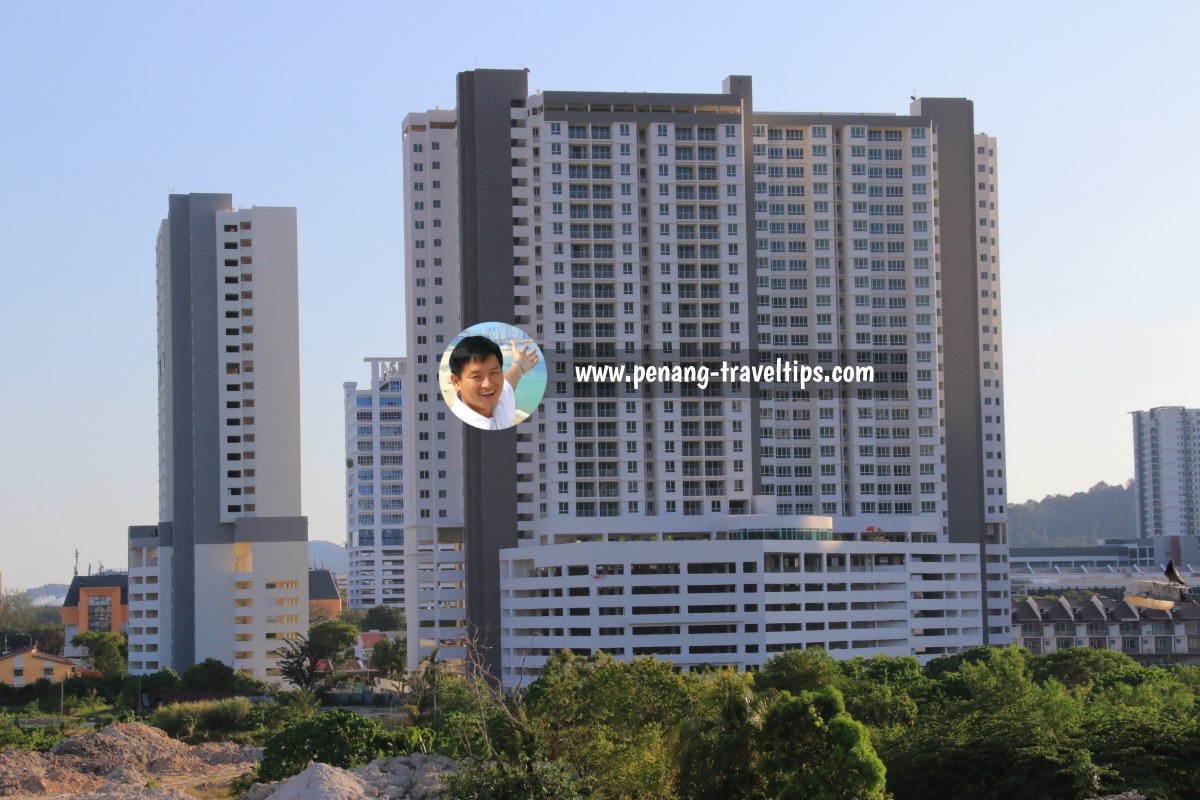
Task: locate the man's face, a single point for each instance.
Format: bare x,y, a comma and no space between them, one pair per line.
480,385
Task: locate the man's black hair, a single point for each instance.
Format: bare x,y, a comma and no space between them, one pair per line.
473,348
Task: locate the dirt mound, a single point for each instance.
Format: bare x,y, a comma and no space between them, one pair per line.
415,777
216,753
317,780
128,747
23,772
100,761
130,792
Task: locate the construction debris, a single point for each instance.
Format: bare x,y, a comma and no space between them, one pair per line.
414,777
114,759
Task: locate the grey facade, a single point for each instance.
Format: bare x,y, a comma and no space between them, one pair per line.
189,377
485,98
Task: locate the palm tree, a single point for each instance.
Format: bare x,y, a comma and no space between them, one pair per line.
433,671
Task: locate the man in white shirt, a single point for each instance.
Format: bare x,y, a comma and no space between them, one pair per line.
485,395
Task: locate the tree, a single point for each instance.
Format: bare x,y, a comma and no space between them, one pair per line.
329,640
213,675
105,651
1143,732
298,664
151,686
818,752
390,657
1080,666
16,612
336,737
432,675
332,640
383,618
880,692
22,623
610,720
797,671
354,616
987,729
719,752
49,638
530,780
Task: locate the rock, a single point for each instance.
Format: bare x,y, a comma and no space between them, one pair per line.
420,791
34,784
131,792
321,781
402,780
261,791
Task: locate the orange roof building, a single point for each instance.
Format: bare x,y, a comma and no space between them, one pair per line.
26,664
95,603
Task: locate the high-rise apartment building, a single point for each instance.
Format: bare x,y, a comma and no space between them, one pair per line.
375,485
228,559
1166,455
675,228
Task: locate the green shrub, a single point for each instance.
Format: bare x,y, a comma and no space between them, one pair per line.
224,715
35,737
170,718
213,675
272,716
184,720
125,715
505,781
243,783
337,737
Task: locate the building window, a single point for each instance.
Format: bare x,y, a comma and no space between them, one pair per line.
100,613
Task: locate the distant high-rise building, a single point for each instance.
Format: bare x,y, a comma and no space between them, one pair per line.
224,573
670,228
1166,456
375,485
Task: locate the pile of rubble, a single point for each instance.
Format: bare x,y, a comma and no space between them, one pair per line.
127,753
414,777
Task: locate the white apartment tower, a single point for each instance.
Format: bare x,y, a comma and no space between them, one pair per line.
678,228
1166,454
375,485
229,554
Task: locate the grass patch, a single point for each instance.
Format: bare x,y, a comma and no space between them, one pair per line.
201,718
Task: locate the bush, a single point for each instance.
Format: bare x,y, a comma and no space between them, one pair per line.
152,685
35,737
338,737
273,715
505,781
213,675
225,715
184,720
243,783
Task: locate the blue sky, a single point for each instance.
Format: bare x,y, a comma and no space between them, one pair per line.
108,107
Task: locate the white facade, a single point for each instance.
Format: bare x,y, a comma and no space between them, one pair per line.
260,389
433,499
230,551
737,595
375,483
1166,453
149,584
644,230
